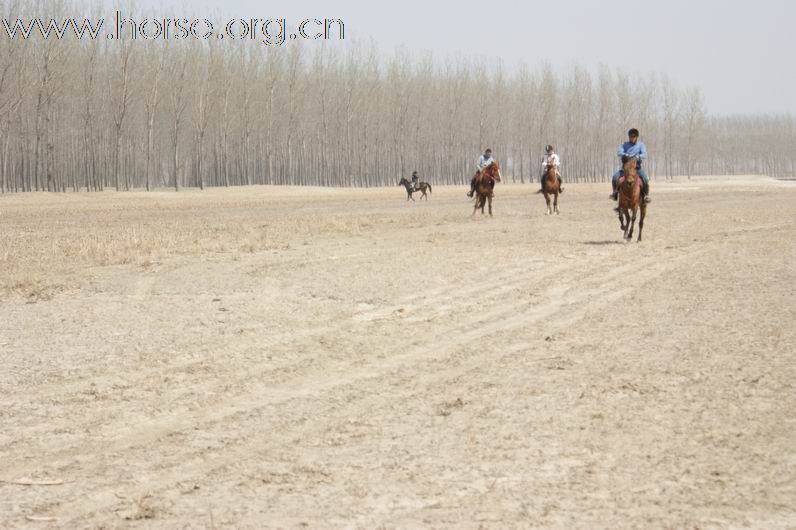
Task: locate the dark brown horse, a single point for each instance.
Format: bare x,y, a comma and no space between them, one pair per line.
484,187
421,187
630,199
552,186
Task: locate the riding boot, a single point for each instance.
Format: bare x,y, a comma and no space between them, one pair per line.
560,184
472,188
615,194
645,192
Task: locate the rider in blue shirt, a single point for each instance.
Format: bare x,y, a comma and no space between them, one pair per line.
632,148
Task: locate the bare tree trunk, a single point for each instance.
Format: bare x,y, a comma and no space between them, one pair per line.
151,108
178,99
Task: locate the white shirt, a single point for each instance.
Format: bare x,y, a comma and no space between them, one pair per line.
554,162
483,162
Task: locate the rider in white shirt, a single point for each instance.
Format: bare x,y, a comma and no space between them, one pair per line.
484,161
550,159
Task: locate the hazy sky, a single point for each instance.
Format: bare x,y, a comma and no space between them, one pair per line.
740,52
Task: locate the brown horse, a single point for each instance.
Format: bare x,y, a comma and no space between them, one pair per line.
421,187
630,200
552,186
484,187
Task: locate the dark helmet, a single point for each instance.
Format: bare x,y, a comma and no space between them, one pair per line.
548,148
488,150
414,173
633,132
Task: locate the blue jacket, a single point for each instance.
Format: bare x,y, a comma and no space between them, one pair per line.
628,149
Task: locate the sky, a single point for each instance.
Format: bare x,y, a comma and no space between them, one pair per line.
739,52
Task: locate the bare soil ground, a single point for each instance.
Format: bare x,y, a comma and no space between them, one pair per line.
289,358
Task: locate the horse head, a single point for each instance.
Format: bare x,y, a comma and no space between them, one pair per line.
630,167
493,171
403,182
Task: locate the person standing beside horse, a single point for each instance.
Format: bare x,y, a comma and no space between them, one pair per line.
550,159
633,148
484,161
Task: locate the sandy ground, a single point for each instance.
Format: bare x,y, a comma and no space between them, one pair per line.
289,358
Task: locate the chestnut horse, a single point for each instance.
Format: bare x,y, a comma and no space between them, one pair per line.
630,199
484,187
551,186
421,187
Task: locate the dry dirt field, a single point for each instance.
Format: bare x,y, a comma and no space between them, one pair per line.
291,358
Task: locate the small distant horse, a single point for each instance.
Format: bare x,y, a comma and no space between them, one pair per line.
551,186
484,187
630,199
421,187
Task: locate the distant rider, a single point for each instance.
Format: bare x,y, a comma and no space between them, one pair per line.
484,161
551,159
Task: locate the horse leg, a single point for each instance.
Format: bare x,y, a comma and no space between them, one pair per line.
627,224
490,205
555,203
632,224
641,220
547,200
621,215
626,214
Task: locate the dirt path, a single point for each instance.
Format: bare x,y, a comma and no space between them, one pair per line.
348,360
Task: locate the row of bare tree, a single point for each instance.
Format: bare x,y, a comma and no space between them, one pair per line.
82,114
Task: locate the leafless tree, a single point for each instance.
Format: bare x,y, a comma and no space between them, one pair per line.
78,113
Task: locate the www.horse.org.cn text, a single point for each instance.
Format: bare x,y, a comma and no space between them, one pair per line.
268,31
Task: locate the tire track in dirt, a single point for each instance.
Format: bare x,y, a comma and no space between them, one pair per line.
67,391
290,337
198,466
604,292
511,273
465,331
143,290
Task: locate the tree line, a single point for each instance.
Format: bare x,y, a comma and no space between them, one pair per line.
92,115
